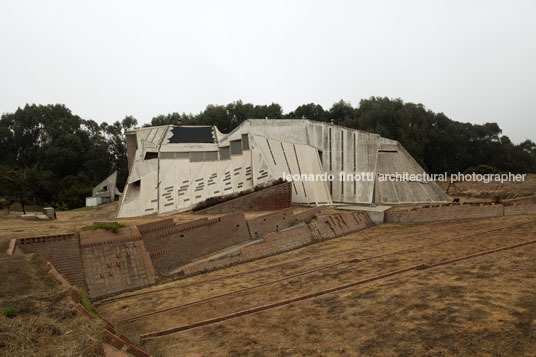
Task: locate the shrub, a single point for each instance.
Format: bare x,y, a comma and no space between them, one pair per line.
73,197
9,311
114,227
86,303
486,169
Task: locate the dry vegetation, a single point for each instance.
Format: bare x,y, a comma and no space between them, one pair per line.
43,324
479,191
457,309
484,306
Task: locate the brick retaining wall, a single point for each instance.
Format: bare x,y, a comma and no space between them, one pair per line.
63,250
100,262
155,226
443,213
196,239
105,263
326,226
269,199
117,266
520,209
308,214
272,222
456,211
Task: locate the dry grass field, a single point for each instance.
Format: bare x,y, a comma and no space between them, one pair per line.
479,191
44,325
484,306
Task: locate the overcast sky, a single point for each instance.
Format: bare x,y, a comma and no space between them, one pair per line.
475,61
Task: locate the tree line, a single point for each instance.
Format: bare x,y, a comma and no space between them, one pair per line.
48,155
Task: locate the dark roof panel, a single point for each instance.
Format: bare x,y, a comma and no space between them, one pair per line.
186,134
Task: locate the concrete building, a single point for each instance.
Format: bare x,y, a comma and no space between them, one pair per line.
174,168
104,192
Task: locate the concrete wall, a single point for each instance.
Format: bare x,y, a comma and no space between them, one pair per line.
110,184
175,178
274,158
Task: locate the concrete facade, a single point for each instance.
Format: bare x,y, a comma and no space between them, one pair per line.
104,192
174,168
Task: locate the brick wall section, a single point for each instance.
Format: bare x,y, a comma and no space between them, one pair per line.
62,250
444,213
329,225
289,239
520,209
115,267
100,262
155,239
156,226
521,200
326,226
272,222
172,246
277,221
196,239
268,199
307,215
121,341
101,236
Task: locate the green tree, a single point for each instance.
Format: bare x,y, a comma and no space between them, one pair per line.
272,111
168,119
14,187
310,111
341,112
57,149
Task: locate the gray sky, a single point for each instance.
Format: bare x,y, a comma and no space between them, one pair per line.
472,60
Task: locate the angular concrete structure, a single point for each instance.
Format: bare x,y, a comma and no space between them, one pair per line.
173,168
104,192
